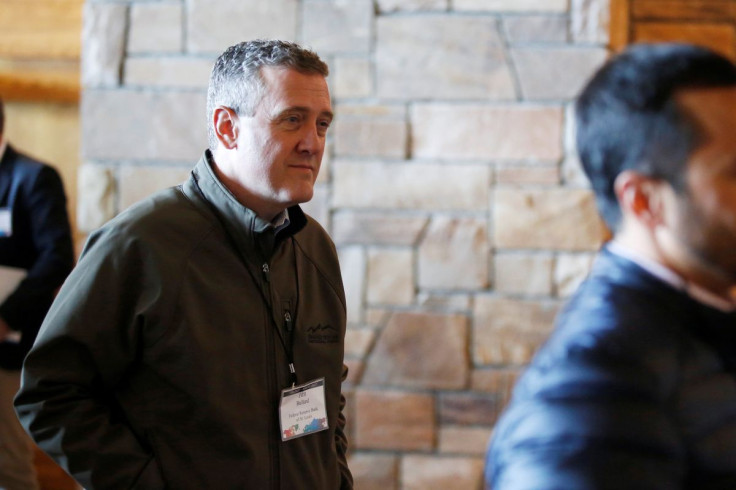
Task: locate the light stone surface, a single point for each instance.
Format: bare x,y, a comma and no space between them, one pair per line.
394,421
511,5
441,56
553,73
155,126
411,185
140,181
155,28
358,341
523,273
388,6
590,21
527,173
555,219
420,472
177,72
377,228
319,206
536,28
509,331
103,44
96,203
337,26
572,170
417,350
213,25
363,137
454,254
372,471
438,301
570,270
353,266
351,77
511,132
471,441
390,276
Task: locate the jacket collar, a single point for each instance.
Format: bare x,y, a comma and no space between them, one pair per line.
253,236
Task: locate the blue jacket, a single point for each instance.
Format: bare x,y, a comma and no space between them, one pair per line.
635,389
41,243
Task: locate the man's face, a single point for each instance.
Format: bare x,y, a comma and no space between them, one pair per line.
280,147
705,217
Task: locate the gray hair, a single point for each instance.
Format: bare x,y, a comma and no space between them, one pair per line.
236,82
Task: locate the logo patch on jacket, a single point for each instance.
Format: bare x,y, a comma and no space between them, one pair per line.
322,334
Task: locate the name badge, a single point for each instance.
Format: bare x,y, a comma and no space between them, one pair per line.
303,410
6,222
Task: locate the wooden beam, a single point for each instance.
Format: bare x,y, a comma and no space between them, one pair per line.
719,37
43,84
620,29
683,10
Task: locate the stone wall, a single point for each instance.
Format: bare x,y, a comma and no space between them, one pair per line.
450,187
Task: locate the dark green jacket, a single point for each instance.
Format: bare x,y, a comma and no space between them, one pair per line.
161,362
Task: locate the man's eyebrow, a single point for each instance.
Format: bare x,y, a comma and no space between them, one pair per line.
304,110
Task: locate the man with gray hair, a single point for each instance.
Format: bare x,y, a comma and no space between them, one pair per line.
199,342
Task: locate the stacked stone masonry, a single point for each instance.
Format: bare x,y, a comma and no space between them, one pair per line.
450,187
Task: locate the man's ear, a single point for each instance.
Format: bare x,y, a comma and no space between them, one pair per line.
226,123
640,197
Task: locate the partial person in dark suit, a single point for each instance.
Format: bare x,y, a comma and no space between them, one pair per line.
36,250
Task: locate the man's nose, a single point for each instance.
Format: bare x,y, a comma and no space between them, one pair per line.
311,141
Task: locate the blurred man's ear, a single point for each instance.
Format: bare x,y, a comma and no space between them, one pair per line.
641,198
225,121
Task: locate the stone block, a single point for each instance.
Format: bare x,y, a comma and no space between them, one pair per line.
353,268
420,472
499,382
355,373
441,56
454,254
590,21
337,26
156,28
155,126
103,44
411,185
365,137
484,132
377,228
511,5
352,77
527,173
394,421
175,72
556,219
536,28
319,206
390,276
572,170
389,6
556,73
419,350
443,302
96,196
471,441
468,409
372,471
377,317
358,341
136,182
509,331
213,25
523,273
570,271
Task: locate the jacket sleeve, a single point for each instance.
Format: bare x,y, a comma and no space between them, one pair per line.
341,441
45,203
89,342
586,420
